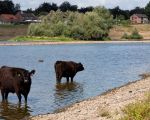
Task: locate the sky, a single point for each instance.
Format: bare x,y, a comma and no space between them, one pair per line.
123,4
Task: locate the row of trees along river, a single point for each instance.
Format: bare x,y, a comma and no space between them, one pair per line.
69,21
7,6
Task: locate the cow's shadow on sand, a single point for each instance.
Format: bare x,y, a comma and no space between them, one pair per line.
10,111
66,93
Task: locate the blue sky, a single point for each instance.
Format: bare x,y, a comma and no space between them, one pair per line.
123,4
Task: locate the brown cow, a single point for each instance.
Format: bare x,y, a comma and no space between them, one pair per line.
15,80
67,69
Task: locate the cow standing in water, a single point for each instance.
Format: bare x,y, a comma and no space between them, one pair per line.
67,69
15,80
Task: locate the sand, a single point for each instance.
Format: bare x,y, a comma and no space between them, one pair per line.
6,43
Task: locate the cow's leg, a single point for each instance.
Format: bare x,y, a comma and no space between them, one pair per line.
19,96
58,77
25,97
72,79
67,79
3,94
6,95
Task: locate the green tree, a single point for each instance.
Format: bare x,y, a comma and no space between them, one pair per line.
65,6
137,10
147,10
17,7
86,9
46,8
8,7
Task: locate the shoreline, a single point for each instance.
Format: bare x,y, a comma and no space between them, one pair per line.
111,101
26,43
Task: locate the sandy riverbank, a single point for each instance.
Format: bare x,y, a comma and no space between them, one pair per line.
111,102
6,43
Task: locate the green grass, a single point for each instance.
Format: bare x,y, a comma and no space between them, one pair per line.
13,26
135,35
138,111
42,38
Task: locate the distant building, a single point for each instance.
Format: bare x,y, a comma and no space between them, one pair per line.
8,19
20,17
27,17
139,19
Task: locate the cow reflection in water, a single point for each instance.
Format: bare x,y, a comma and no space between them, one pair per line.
10,111
66,86
67,93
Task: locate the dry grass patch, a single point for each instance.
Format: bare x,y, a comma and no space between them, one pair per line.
118,31
103,112
138,111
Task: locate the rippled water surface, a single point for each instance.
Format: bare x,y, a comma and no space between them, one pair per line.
106,66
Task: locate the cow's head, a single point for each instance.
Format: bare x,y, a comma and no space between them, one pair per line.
80,67
23,75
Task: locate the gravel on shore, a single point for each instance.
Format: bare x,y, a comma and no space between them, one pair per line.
11,43
107,106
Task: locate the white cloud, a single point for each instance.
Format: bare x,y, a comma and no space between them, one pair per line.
124,4
85,3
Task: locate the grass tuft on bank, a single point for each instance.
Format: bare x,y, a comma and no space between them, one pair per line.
138,111
12,26
42,38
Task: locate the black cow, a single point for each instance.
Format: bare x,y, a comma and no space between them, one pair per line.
15,80
67,69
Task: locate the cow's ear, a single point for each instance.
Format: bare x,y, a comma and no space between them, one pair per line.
79,64
32,72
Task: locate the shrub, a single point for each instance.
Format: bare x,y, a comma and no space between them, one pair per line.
36,30
76,32
125,36
58,29
93,25
135,35
125,23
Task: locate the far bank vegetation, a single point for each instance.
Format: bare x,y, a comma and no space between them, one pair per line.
134,35
93,25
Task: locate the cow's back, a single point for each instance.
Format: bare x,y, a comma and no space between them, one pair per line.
65,66
5,73
6,79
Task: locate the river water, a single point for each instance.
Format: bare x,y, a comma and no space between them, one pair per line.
107,65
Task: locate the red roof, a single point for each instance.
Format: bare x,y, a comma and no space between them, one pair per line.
140,15
8,17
